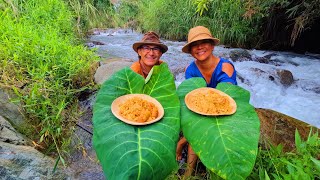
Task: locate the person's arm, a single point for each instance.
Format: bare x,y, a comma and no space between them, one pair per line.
229,75
180,146
228,69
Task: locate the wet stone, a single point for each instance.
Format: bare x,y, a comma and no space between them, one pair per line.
286,77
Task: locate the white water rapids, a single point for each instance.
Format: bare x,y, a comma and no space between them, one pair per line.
300,100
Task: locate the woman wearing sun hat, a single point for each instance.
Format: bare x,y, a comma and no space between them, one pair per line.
211,68
206,65
149,50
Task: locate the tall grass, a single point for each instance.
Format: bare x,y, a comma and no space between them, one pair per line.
125,14
92,14
42,59
173,18
236,23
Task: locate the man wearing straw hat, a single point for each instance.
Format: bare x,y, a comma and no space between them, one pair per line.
211,68
149,50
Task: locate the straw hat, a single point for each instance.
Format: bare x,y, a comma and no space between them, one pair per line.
198,33
150,38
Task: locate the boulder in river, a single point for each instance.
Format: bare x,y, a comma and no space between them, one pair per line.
286,77
277,128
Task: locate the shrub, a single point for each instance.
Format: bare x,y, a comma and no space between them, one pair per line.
43,60
302,163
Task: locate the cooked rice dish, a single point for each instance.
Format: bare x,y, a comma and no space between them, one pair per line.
210,102
138,110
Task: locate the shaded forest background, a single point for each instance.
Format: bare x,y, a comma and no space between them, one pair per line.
274,24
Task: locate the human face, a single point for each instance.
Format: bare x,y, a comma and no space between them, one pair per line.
201,50
150,54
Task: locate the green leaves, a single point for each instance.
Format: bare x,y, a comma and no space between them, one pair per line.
137,152
302,163
202,5
46,64
227,145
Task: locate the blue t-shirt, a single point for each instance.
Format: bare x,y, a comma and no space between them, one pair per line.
217,76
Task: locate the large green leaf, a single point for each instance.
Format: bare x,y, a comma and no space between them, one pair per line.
137,152
227,145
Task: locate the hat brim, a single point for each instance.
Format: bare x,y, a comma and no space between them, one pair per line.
186,48
136,45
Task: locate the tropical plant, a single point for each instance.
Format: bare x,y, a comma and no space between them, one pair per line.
137,152
301,163
226,145
202,5
44,62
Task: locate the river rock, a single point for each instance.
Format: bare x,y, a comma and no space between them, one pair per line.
262,60
277,128
9,110
95,31
286,77
9,135
240,55
97,43
25,162
110,66
178,71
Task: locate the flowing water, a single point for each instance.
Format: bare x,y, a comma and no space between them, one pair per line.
257,72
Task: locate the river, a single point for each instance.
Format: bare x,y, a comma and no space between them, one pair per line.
300,100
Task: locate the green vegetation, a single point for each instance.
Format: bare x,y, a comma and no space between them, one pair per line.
225,19
171,19
274,163
234,22
91,14
237,23
125,15
46,65
302,163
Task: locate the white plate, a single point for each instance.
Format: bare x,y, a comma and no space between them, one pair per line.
115,108
206,90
